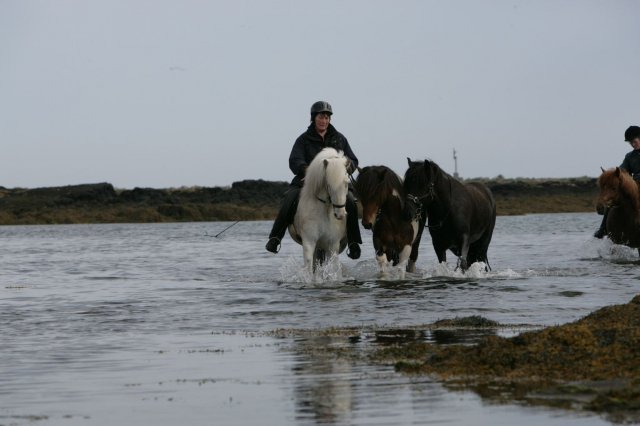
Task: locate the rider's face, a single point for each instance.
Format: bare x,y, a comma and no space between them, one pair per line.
635,143
322,121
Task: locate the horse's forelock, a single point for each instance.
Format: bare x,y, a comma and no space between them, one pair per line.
415,176
315,176
375,183
336,171
617,176
366,183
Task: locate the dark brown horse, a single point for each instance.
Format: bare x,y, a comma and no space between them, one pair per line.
461,215
620,198
382,197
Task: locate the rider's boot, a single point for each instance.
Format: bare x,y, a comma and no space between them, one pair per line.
283,220
602,231
353,229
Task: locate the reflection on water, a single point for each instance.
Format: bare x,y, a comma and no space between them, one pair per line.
335,384
323,382
165,324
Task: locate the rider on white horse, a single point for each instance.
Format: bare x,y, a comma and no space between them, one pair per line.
320,134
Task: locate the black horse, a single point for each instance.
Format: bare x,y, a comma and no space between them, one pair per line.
461,215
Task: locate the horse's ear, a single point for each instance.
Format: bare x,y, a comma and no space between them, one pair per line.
326,163
602,168
617,171
409,161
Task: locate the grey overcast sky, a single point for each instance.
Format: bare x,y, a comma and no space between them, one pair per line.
170,93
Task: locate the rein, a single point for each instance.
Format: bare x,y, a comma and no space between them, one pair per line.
439,225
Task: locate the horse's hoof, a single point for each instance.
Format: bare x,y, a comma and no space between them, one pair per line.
353,251
273,245
462,265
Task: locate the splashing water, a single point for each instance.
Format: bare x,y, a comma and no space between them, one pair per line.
477,270
332,271
617,253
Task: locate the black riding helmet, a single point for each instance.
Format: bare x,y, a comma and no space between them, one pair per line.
320,106
630,134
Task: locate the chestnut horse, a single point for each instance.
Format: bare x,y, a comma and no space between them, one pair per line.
620,198
380,192
461,215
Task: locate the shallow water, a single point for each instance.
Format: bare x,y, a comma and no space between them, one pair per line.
167,324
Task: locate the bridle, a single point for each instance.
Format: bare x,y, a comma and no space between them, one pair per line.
329,201
429,196
335,206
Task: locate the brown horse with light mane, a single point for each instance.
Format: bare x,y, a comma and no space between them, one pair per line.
620,197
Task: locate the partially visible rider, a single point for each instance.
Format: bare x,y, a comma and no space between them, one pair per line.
631,164
320,134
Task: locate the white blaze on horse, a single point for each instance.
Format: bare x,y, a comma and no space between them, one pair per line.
320,221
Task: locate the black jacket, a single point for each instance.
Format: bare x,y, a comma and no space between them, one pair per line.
310,143
631,164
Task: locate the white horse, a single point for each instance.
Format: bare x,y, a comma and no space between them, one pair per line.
320,221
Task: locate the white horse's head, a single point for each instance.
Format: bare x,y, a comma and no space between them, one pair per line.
328,178
337,185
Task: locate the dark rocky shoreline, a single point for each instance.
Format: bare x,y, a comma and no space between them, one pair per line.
245,200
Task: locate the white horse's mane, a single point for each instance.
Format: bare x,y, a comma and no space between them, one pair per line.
336,172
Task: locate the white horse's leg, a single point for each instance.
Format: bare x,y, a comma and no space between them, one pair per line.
308,250
382,264
404,257
335,248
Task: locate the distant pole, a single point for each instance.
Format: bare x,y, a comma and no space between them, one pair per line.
455,164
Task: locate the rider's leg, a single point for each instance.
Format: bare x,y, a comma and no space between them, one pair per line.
353,228
602,231
284,219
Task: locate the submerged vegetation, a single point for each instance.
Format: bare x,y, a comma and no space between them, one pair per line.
245,200
591,364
